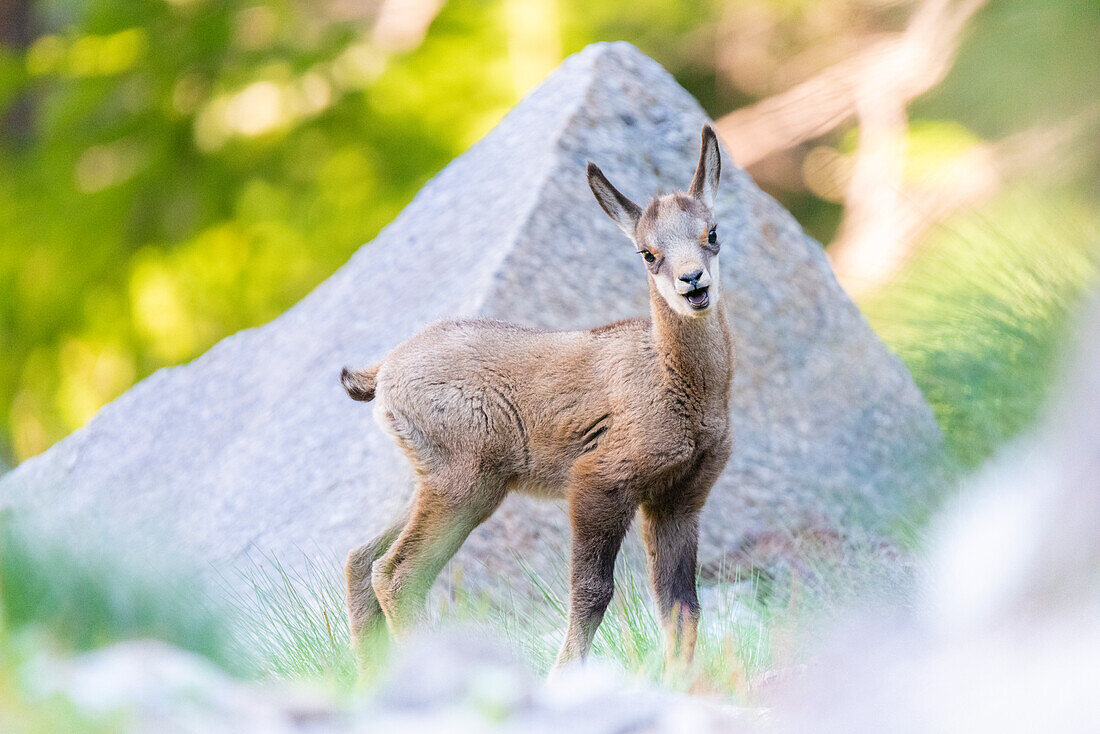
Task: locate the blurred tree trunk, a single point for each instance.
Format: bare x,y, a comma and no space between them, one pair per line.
401,25
868,247
903,65
16,34
873,245
873,87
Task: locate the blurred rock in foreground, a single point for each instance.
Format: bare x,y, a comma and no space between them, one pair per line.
254,445
440,684
1008,637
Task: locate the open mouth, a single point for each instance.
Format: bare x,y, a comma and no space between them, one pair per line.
699,298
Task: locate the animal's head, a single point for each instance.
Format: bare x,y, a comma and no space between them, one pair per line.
676,234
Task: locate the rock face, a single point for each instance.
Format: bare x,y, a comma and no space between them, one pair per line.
255,445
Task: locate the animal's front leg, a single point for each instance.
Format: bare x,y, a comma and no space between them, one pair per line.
671,532
672,540
600,520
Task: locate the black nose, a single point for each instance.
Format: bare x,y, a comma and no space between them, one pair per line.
692,278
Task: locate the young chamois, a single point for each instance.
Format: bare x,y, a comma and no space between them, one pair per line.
634,414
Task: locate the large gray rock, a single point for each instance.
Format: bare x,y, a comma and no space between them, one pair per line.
255,445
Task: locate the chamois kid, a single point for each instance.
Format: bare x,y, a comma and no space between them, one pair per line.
632,415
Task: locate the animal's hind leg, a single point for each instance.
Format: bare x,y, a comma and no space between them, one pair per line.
449,505
365,618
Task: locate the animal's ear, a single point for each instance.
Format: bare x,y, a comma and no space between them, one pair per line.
622,210
704,186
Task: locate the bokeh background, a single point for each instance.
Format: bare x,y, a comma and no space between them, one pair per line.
172,171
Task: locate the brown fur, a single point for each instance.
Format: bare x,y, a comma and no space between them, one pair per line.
632,415
359,384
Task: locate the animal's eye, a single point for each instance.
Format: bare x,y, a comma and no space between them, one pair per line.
648,256
712,236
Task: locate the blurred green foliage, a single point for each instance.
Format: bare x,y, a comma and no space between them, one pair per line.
191,168
80,596
981,316
172,171
1024,62
194,169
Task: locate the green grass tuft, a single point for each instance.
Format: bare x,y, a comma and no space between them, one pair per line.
293,622
980,315
83,598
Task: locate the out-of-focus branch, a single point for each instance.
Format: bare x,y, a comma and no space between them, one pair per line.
401,25
395,25
906,65
882,220
872,247
867,242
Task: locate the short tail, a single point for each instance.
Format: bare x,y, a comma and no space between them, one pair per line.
360,384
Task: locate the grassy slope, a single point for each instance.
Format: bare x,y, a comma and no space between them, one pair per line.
59,596
978,318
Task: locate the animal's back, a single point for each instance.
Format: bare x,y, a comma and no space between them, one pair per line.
501,395
475,392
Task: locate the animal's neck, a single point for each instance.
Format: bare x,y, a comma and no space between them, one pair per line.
695,352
